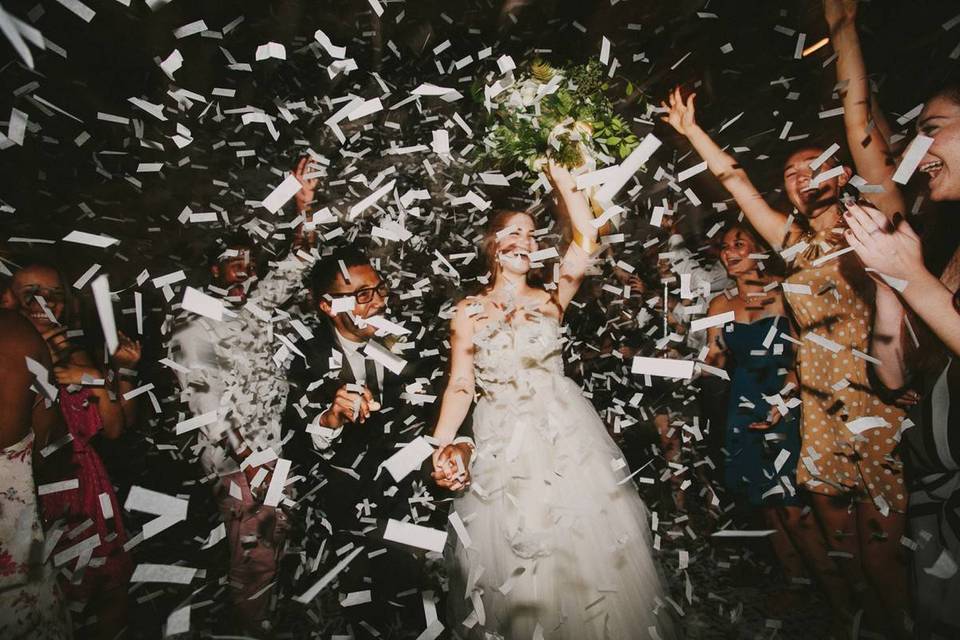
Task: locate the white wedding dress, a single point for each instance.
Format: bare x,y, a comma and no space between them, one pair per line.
557,541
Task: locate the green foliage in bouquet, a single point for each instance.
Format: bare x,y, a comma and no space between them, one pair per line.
578,113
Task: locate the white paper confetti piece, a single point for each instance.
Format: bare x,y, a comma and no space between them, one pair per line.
155,503
415,535
663,367
271,50
17,127
177,622
277,481
865,423
365,108
823,157
16,32
101,296
826,343
379,353
281,194
327,578
367,202
460,528
343,304
895,283
604,51
387,326
57,487
717,320
354,598
200,303
197,26
911,158
172,62
79,9
637,158
90,239
167,573
692,171
945,566
743,533
328,46
85,278
376,6
408,458
195,422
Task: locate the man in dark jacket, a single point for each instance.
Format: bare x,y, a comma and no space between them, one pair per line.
355,401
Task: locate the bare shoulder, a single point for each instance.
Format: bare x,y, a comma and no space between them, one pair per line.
719,304
18,337
467,311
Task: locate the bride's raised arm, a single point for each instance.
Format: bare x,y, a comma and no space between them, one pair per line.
576,207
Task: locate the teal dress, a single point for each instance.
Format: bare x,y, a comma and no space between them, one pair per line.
760,465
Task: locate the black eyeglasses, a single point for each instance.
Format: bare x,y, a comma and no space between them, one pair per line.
30,292
365,295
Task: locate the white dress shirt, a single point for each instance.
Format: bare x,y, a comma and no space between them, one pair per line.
324,437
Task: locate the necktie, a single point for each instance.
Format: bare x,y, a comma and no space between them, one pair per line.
370,378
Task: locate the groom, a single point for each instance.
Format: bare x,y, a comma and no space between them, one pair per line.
353,403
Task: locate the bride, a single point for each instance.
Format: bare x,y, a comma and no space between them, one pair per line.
550,538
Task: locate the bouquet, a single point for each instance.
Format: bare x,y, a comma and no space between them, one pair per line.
558,113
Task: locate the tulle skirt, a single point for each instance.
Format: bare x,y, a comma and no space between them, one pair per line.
552,540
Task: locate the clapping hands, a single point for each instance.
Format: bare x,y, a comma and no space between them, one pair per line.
893,249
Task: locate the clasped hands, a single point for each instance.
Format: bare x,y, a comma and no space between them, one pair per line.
451,466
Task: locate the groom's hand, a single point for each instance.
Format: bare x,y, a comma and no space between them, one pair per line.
451,466
349,406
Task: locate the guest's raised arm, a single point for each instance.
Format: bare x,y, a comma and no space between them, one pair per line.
769,223
868,147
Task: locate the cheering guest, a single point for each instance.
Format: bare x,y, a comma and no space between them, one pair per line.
916,338
229,373
854,475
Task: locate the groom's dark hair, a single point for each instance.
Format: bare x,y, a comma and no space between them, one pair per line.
324,272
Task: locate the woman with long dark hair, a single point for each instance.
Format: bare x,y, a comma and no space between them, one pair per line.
916,341
551,536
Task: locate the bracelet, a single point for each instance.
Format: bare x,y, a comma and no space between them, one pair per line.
467,440
589,245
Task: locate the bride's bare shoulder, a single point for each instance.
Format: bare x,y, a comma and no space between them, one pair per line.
472,307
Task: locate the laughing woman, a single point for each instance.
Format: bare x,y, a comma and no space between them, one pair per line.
916,339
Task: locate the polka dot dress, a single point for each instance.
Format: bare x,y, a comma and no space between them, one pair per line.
834,388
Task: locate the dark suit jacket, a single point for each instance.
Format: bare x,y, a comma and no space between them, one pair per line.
361,447
345,474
